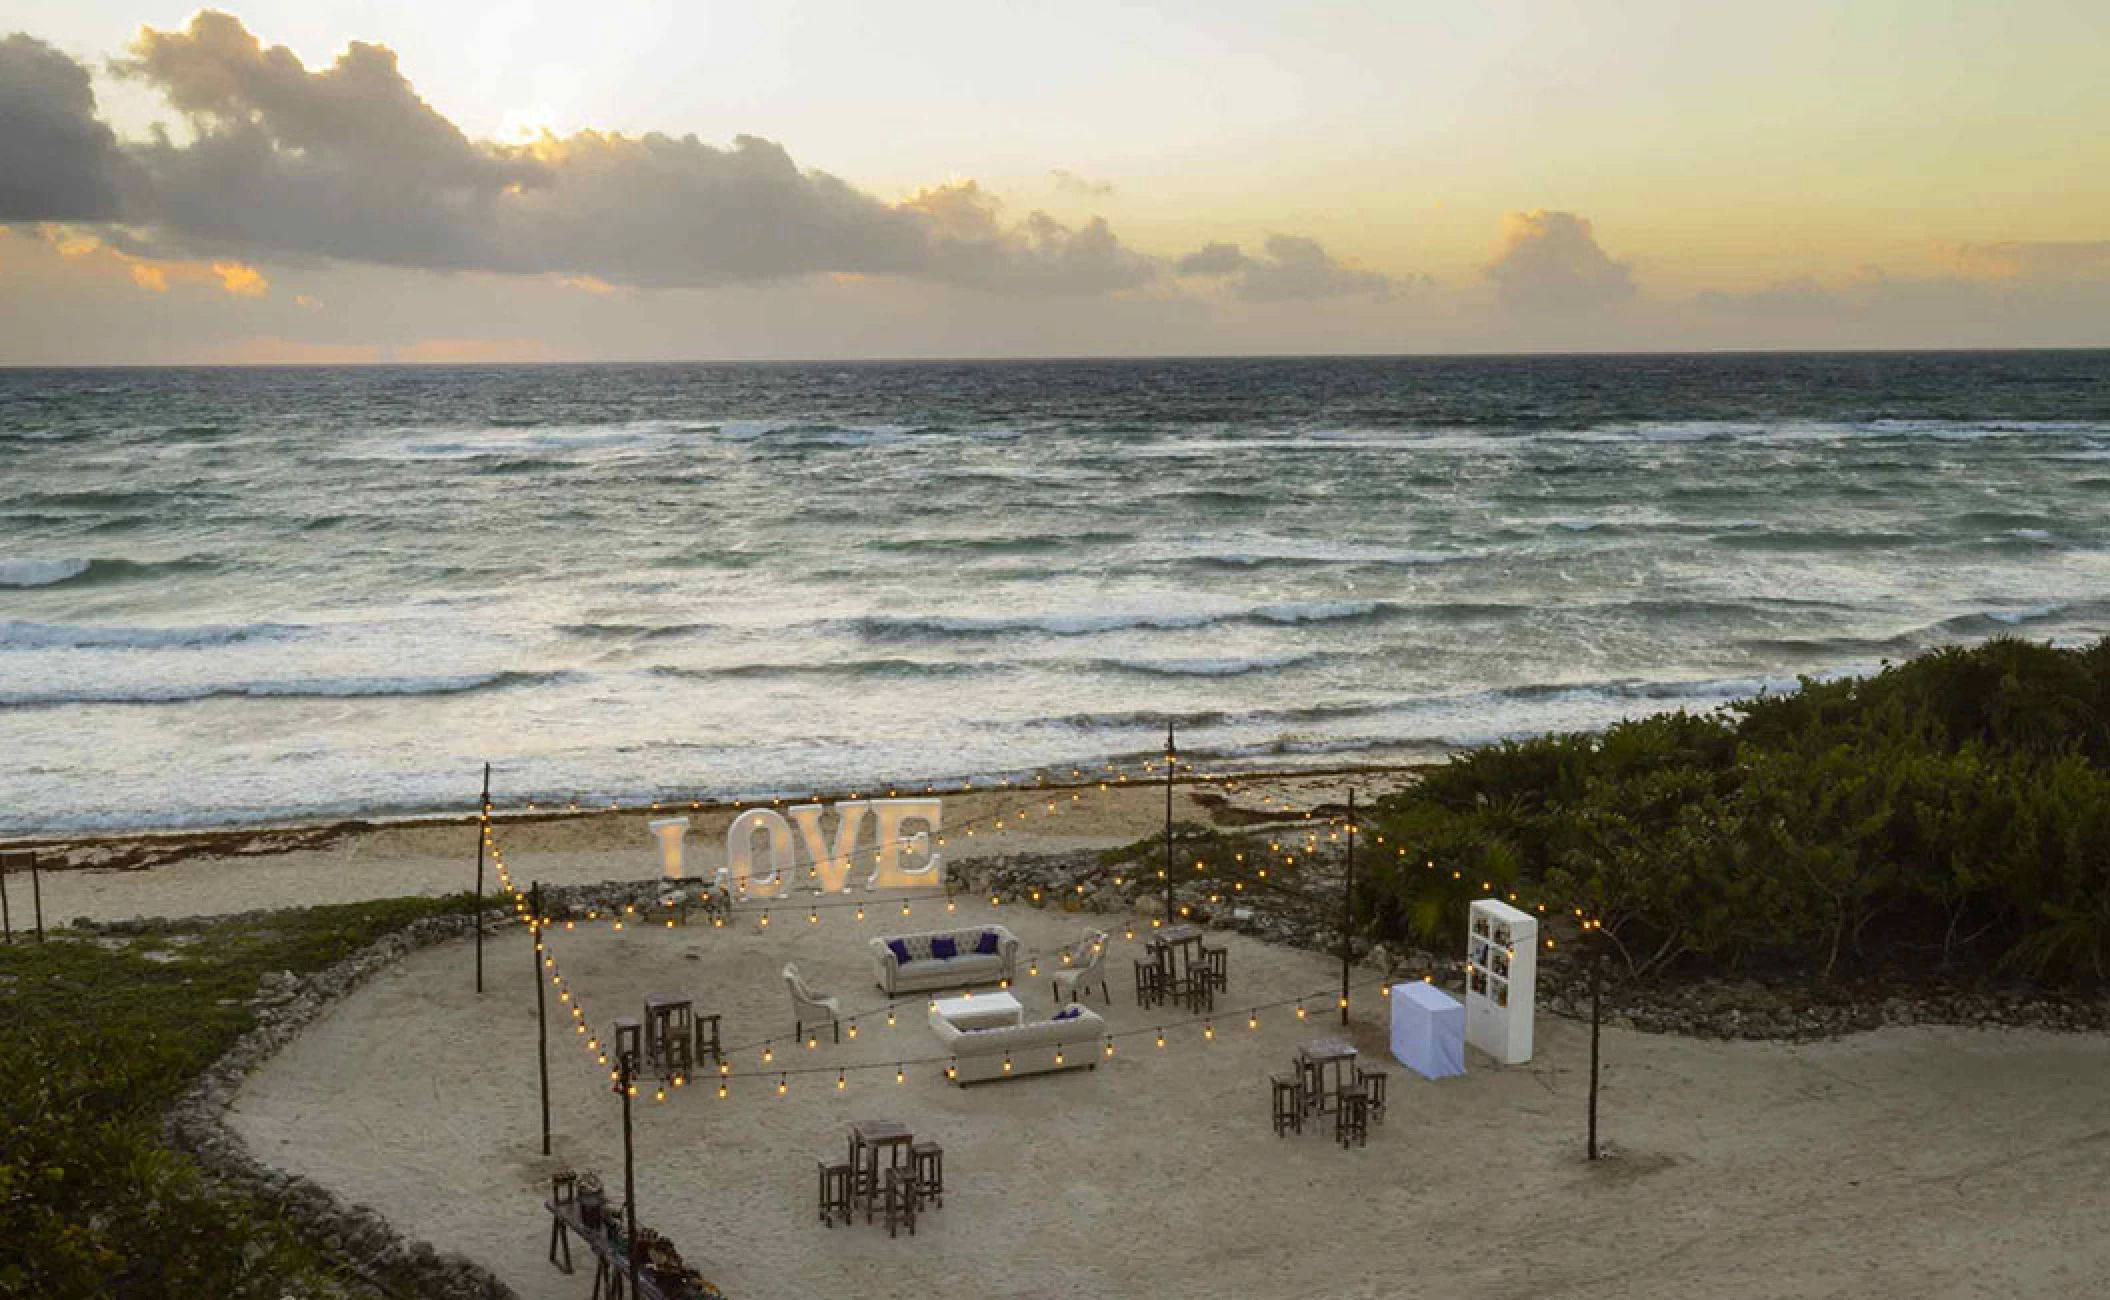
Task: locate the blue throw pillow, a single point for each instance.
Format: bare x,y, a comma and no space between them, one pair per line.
899,949
944,949
986,945
1070,1012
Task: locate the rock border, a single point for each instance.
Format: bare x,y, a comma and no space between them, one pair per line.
354,1235
1775,1010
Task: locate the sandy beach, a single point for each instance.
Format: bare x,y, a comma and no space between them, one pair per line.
210,874
1924,1162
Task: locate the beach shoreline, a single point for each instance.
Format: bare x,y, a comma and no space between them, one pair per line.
246,868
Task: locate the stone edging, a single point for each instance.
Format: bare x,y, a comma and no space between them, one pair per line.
356,1235
353,1234
1787,1010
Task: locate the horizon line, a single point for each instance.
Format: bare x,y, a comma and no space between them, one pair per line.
1058,358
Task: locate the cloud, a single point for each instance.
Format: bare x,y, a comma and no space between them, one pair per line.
58,162
1291,267
2047,261
1550,262
969,246
83,247
1212,259
348,163
241,281
1070,182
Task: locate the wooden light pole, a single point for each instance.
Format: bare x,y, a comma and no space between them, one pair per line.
20,859
1596,948
1348,910
541,1003
626,1068
1172,754
483,833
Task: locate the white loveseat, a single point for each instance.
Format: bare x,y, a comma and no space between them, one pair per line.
1035,1047
925,969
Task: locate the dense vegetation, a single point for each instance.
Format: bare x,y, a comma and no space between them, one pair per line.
1951,813
103,1032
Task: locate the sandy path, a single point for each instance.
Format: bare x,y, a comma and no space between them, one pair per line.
1923,1162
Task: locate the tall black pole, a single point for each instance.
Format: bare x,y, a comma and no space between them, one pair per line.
629,1171
7,922
483,834
1172,754
541,1003
1348,910
1596,1022
36,896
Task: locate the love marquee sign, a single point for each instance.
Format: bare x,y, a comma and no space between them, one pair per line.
765,849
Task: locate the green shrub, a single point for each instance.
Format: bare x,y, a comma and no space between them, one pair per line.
1952,812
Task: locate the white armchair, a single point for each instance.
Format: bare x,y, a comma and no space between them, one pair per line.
1087,968
810,1007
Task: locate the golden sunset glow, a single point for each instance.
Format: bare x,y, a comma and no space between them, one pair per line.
1374,177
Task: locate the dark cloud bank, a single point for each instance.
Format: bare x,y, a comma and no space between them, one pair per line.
348,163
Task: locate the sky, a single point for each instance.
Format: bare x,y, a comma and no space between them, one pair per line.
469,181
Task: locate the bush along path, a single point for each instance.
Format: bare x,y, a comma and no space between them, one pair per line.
1945,820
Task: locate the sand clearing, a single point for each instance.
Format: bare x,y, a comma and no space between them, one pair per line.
1920,1162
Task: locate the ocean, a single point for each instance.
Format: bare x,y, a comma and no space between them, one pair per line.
235,596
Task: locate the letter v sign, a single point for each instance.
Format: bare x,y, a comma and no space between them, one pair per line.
831,868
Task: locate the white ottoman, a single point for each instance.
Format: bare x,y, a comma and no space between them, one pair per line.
979,1011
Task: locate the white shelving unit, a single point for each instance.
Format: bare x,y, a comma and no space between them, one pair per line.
1501,979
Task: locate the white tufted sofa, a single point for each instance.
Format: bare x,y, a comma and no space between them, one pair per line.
1032,1048
922,970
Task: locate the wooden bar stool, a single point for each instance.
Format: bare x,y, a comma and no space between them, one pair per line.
1150,983
629,1042
1216,967
669,1027
927,1163
1372,1085
707,1039
834,1190
1288,1103
563,1200
1311,1083
900,1200
1351,1118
